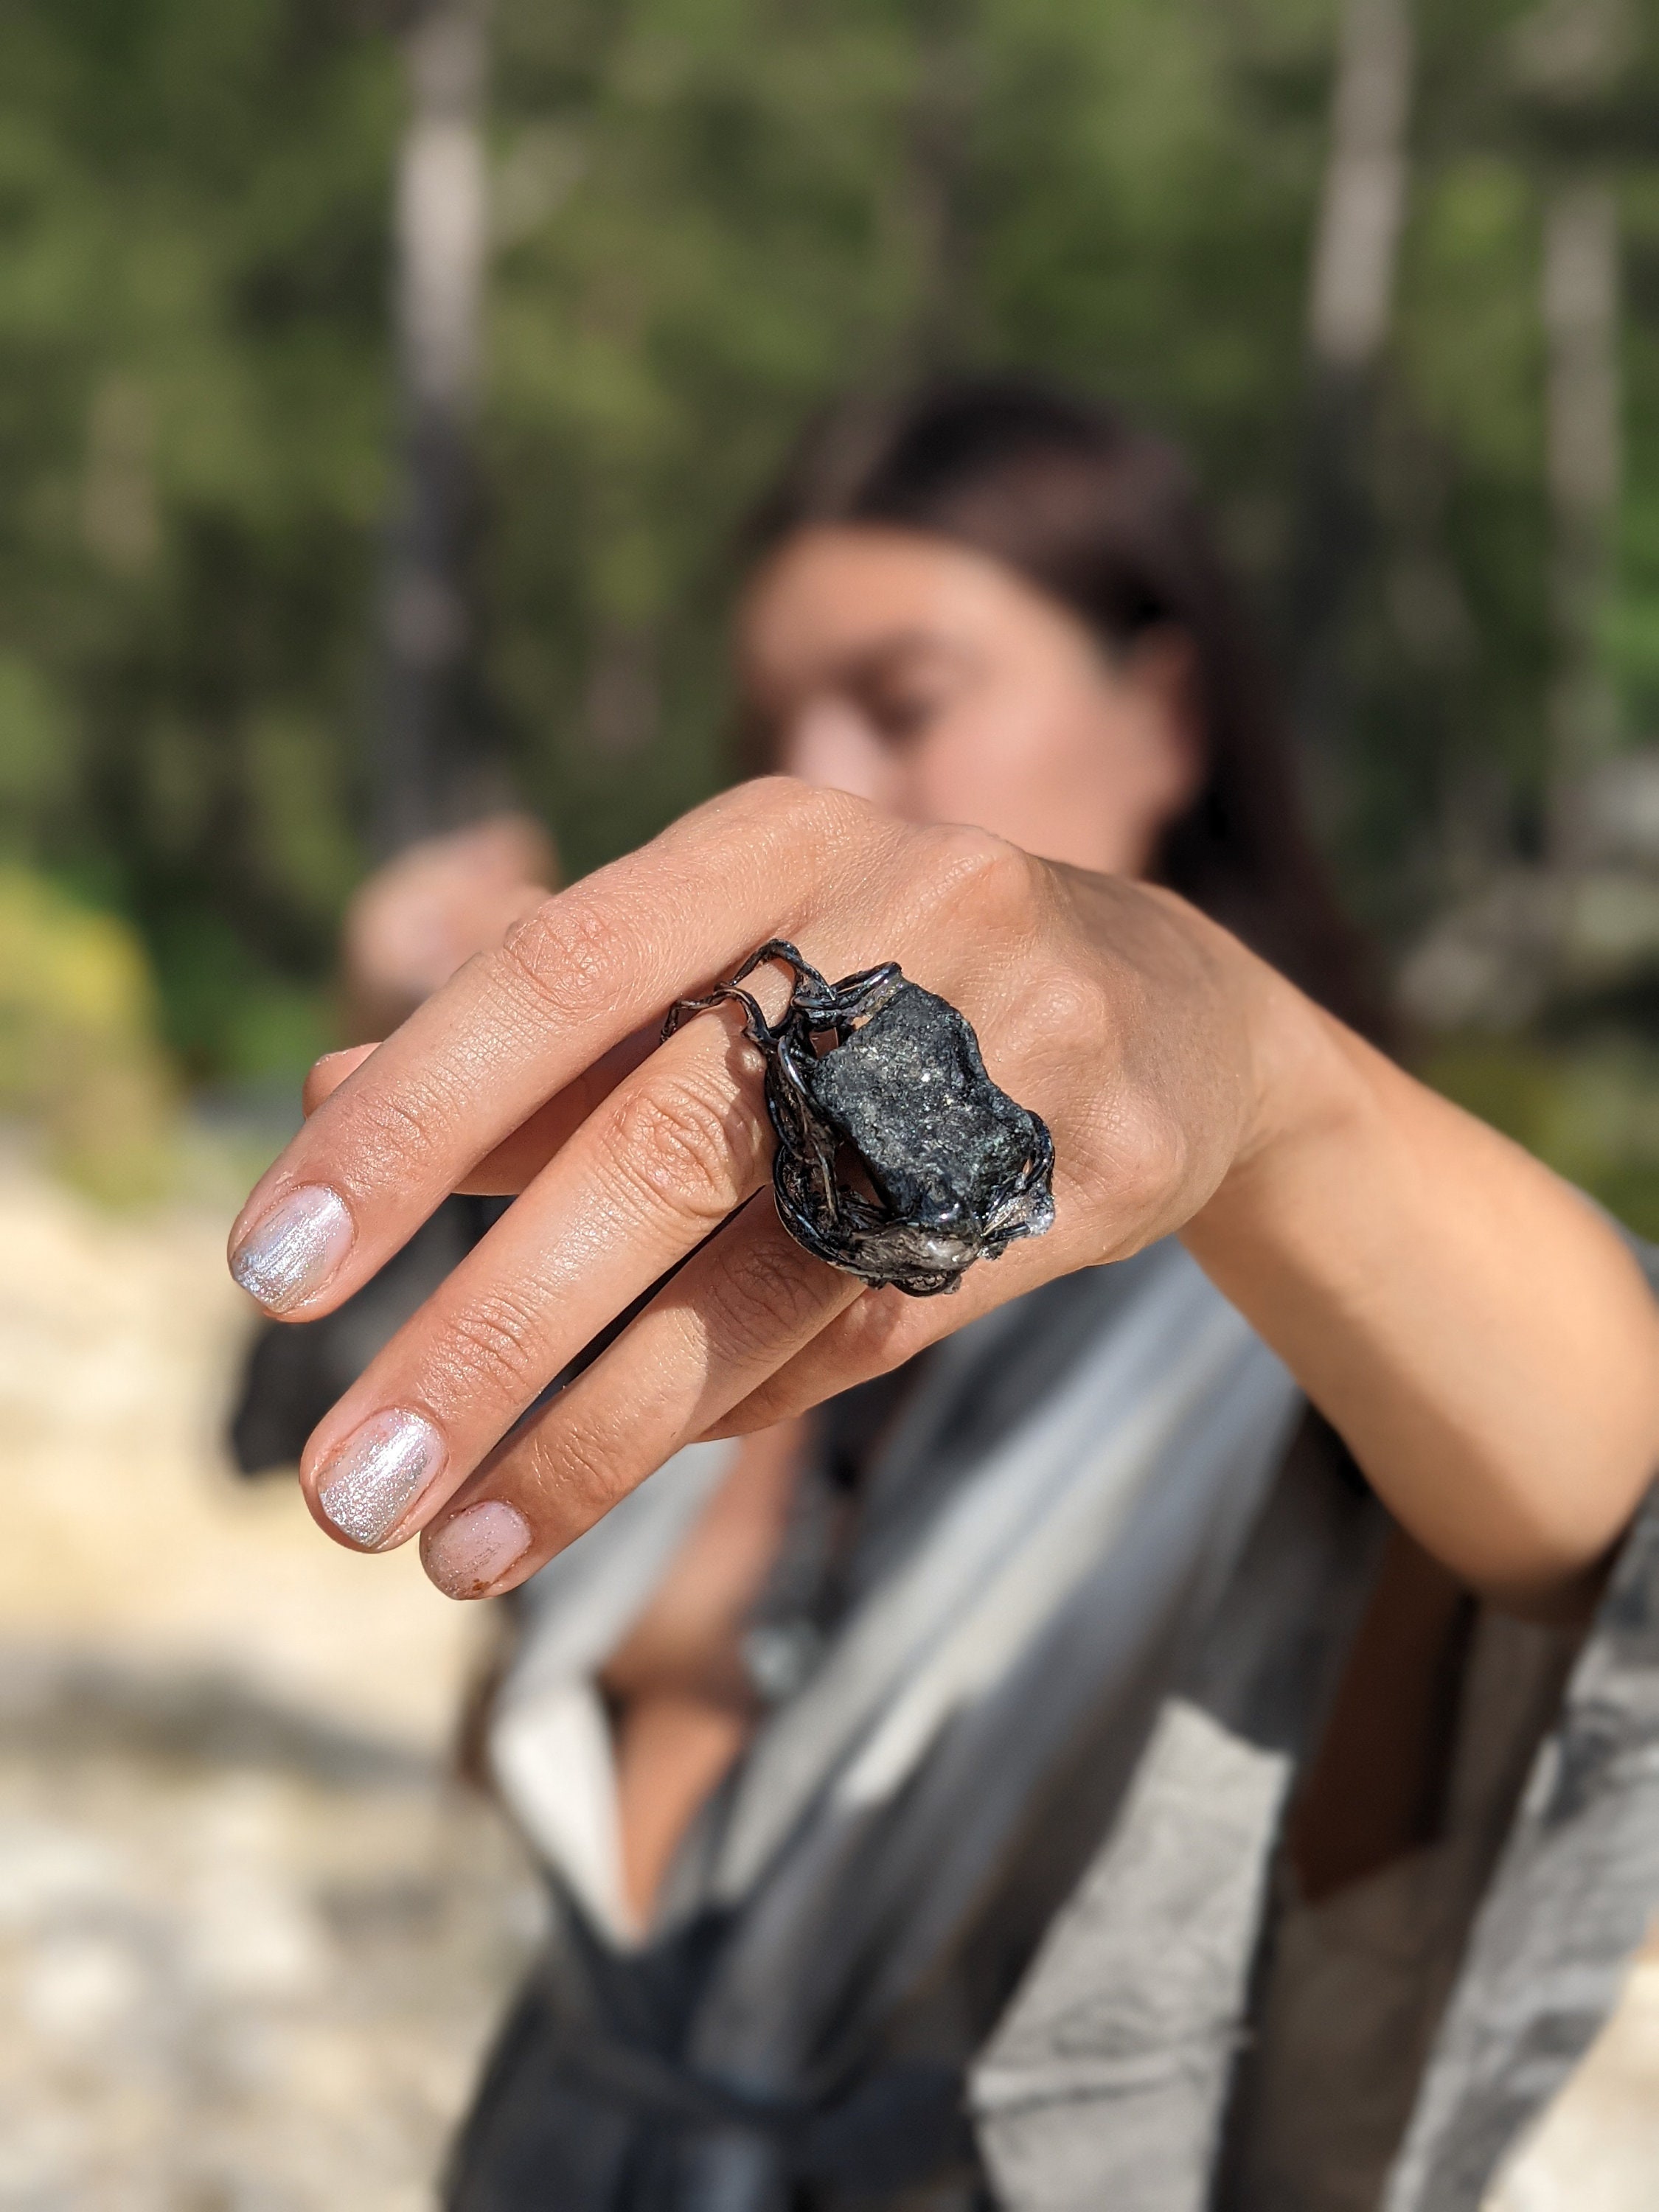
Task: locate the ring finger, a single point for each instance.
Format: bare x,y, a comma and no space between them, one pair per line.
743,1306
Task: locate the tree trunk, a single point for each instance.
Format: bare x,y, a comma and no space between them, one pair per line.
435,763
1581,330
1365,192
1349,307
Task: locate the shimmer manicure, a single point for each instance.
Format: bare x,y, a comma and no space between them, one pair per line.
377,1474
292,1253
476,1549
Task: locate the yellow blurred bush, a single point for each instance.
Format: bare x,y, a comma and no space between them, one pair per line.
79,1054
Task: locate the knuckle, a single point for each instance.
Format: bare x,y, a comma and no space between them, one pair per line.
1069,1009
493,1339
416,1120
810,806
687,1150
568,954
771,1295
965,854
577,1474
1159,1162
966,863
1144,1160
792,834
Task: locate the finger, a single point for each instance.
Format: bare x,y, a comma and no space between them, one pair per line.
519,1158
877,1333
325,1076
677,1148
748,1299
880,1333
484,1055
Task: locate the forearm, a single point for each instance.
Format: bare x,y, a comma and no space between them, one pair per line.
1477,1332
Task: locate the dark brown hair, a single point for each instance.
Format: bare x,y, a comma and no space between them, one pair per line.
1105,518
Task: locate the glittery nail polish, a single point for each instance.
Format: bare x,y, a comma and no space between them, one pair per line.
468,1553
292,1253
376,1475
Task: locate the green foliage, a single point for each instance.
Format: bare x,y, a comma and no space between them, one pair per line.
1633,642
716,213
193,423
38,760
711,216
1591,1112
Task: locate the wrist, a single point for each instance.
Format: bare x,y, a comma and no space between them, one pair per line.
1311,1093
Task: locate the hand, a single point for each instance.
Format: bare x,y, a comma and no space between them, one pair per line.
421,916
1115,1013
1480,1335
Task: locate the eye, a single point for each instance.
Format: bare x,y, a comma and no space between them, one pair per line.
902,705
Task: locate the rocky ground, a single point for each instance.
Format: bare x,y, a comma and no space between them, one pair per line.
253,1934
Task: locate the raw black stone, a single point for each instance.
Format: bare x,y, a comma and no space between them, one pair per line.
953,1169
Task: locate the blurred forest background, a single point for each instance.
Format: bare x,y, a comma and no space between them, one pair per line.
705,217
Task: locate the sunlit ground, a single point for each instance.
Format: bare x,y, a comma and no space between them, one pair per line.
251,1937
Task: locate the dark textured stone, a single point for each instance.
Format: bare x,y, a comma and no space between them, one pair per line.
955,1169
909,1091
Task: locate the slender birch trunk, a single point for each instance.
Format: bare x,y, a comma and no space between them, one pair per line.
1350,304
1568,58
435,766
1365,193
1581,330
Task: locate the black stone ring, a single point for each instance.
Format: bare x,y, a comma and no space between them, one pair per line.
953,1170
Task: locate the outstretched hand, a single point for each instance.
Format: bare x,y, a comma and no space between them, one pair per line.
1480,1335
1115,1012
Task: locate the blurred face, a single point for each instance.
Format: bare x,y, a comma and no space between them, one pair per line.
933,681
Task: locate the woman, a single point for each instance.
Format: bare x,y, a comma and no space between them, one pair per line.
915,1783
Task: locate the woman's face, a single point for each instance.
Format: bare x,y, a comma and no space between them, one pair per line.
936,683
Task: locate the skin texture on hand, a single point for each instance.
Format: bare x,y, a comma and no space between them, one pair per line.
1405,1261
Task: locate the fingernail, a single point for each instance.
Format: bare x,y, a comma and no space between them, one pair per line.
294,1251
377,1474
476,1549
